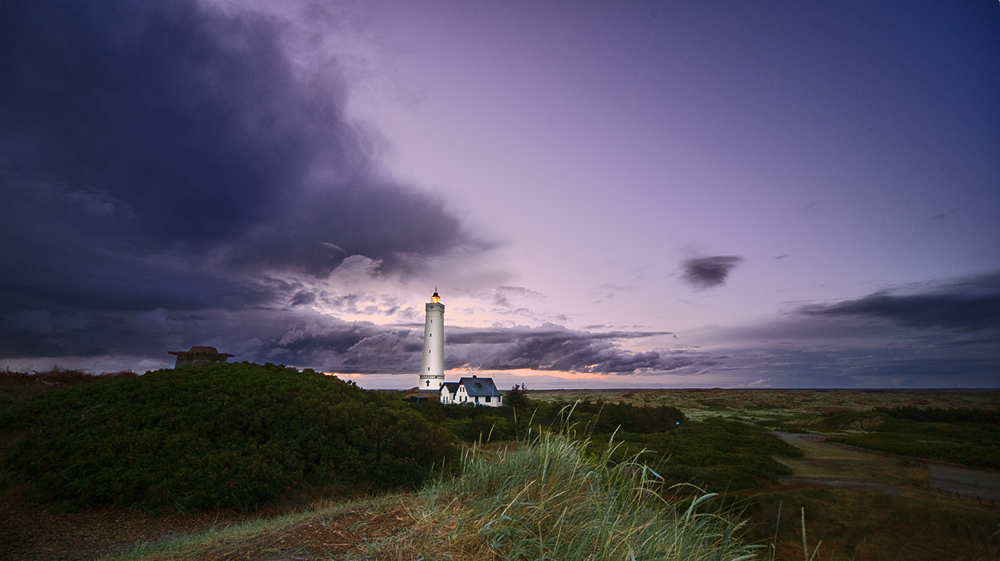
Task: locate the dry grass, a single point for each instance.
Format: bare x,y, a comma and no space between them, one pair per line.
538,500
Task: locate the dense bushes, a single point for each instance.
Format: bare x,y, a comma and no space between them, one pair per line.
962,436
715,454
472,424
938,415
219,435
19,387
601,417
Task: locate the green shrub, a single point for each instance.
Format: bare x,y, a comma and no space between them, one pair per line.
962,436
716,454
602,417
218,435
938,415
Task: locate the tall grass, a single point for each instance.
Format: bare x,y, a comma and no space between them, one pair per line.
546,499
543,498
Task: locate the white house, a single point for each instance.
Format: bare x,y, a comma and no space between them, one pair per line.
474,390
448,391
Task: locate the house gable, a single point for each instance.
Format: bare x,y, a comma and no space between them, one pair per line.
478,391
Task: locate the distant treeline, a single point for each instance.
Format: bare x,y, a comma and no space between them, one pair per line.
938,415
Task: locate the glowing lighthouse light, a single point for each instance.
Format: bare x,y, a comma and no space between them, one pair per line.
432,362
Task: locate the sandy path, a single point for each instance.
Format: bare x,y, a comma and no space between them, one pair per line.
839,465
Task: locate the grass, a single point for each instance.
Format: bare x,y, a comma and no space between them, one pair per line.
893,526
549,500
552,497
191,544
540,499
788,409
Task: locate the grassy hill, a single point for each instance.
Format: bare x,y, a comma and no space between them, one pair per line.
235,436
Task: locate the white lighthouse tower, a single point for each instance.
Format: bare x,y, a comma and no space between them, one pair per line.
432,363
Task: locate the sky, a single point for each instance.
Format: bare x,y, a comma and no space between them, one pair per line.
606,195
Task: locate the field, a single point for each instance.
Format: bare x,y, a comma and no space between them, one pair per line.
788,406
777,458
858,503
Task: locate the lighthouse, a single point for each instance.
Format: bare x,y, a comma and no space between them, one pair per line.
432,363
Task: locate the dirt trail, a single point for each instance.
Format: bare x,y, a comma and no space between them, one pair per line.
30,533
840,465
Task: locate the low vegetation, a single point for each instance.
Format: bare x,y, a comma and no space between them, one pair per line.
542,498
873,524
236,436
548,498
969,439
716,454
623,478
970,415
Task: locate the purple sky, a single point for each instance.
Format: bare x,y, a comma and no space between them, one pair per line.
632,194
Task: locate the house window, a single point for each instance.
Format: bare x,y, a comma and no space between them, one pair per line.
487,399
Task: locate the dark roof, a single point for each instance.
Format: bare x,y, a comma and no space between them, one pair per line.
452,387
480,387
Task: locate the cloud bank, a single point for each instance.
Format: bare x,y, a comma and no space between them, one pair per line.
968,304
556,348
943,334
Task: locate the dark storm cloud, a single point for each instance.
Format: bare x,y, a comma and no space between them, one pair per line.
970,304
165,156
552,347
709,272
172,129
941,335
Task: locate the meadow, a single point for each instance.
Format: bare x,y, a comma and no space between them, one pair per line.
250,461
